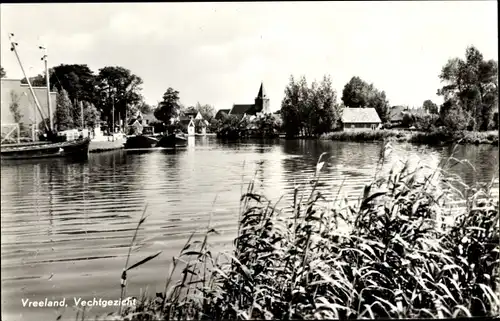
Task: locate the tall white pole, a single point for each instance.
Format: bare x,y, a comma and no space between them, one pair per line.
13,48
44,58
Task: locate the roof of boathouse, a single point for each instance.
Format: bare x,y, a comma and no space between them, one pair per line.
360,115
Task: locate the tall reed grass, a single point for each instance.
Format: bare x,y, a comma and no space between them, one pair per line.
398,252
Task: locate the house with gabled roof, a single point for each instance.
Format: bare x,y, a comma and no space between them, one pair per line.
396,114
141,124
260,105
193,122
360,119
187,125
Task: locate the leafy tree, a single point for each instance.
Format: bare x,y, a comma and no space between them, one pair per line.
214,124
408,120
37,81
144,108
207,111
426,122
63,119
91,115
453,116
14,106
292,106
430,107
267,125
118,87
169,107
472,85
3,74
357,93
77,79
232,127
325,107
76,113
190,110
310,110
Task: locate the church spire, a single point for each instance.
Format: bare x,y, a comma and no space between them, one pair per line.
262,93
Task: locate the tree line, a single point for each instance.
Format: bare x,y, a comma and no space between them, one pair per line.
470,94
77,85
170,108
111,88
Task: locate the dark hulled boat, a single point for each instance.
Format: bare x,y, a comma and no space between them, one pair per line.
140,141
78,149
145,141
172,140
54,146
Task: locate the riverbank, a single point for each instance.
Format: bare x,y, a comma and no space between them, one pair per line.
396,254
418,137
103,146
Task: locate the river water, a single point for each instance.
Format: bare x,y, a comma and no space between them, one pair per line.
66,226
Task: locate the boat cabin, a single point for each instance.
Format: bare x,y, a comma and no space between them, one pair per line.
71,134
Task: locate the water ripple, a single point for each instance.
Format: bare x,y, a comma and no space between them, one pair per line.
66,226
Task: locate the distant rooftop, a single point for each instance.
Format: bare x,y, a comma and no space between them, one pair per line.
240,109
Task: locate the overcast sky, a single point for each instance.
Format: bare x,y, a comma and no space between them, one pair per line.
218,53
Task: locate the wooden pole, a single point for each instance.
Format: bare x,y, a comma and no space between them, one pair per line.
36,123
13,48
113,117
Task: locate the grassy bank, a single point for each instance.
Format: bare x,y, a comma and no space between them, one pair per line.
397,253
431,138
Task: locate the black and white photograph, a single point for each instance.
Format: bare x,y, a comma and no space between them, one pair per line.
254,160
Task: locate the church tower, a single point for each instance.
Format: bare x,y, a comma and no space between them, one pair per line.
261,101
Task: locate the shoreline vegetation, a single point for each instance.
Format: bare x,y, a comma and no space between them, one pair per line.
418,137
468,114
402,251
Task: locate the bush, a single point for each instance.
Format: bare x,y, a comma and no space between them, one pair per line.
397,253
426,122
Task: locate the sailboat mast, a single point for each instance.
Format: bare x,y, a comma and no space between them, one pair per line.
13,48
47,81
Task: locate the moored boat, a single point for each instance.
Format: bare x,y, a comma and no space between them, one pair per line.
140,141
172,140
146,141
75,149
54,144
